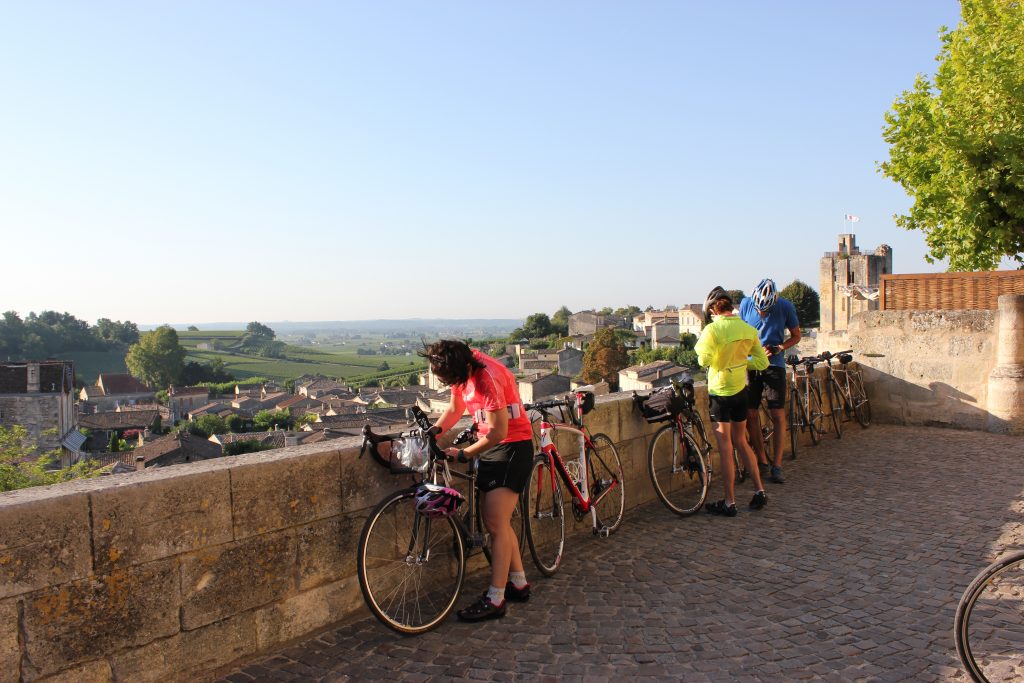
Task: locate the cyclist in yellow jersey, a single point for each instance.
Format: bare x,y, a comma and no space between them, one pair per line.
728,347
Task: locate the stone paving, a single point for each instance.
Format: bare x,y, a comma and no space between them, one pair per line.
852,573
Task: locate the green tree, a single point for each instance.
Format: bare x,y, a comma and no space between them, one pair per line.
604,357
267,420
537,325
157,359
22,465
208,425
383,367
628,311
957,144
193,328
560,321
235,423
256,329
805,300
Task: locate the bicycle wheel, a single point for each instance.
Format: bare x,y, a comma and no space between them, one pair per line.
767,431
518,526
738,468
835,408
861,406
989,626
678,470
606,482
796,409
410,567
814,413
545,516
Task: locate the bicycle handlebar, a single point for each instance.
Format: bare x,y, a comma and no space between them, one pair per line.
545,405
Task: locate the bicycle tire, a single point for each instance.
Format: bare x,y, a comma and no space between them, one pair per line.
741,473
518,526
679,475
992,598
410,567
796,406
861,405
833,404
814,413
606,482
767,431
546,540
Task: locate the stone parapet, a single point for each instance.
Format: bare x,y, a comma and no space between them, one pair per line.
168,574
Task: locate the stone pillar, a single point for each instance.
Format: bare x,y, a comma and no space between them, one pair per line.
1006,382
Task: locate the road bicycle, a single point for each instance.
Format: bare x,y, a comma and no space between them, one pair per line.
411,566
764,417
594,480
989,624
805,411
845,387
679,455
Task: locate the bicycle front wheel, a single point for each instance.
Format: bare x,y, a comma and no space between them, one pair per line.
988,628
544,516
410,567
814,413
678,470
606,483
861,406
834,406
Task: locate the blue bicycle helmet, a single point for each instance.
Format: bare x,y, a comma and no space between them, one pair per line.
764,295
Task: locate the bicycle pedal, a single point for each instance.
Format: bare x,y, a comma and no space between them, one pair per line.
476,540
603,532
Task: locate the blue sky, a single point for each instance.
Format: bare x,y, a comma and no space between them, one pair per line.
204,161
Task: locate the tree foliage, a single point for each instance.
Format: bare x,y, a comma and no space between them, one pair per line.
50,333
604,357
21,464
267,420
538,325
157,359
256,329
957,144
805,300
560,321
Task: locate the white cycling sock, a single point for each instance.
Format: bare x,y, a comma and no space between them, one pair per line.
495,596
518,579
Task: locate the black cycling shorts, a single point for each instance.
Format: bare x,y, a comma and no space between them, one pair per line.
772,382
728,408
507,465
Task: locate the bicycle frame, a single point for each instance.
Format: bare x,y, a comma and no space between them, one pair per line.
556,464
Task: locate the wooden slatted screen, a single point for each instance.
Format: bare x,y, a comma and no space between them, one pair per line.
948,291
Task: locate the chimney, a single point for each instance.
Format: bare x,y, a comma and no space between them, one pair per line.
33,378
140,463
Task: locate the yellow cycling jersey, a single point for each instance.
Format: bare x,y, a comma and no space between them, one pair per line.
728,347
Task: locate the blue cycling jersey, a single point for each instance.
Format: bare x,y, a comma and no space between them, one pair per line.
771,329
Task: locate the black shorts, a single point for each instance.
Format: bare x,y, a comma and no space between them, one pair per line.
728,408
772,382
506,465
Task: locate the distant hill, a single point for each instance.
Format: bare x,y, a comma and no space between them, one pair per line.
427,326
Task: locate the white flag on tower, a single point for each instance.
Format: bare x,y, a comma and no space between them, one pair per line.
853,219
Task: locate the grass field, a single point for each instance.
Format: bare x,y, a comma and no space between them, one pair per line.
89,364
341,361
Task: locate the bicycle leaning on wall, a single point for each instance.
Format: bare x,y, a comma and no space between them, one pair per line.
594,480
412,552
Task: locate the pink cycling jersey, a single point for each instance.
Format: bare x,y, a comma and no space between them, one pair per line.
490,389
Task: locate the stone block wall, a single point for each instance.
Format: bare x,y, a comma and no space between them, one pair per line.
927,367
170,574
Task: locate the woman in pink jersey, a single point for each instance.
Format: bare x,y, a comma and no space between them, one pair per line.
488,391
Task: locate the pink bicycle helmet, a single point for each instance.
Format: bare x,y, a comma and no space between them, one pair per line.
434,500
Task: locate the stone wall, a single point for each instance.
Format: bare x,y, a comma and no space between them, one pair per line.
927,367
168,574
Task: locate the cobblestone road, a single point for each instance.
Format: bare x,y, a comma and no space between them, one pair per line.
851,573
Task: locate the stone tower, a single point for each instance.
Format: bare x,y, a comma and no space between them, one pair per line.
847,278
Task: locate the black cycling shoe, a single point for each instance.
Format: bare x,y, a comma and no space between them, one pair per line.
513,594
720,508
759,500
482,609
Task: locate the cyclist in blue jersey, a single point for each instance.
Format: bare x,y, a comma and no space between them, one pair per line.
772,316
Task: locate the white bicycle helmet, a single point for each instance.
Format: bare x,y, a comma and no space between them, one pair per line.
434,500
764,295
